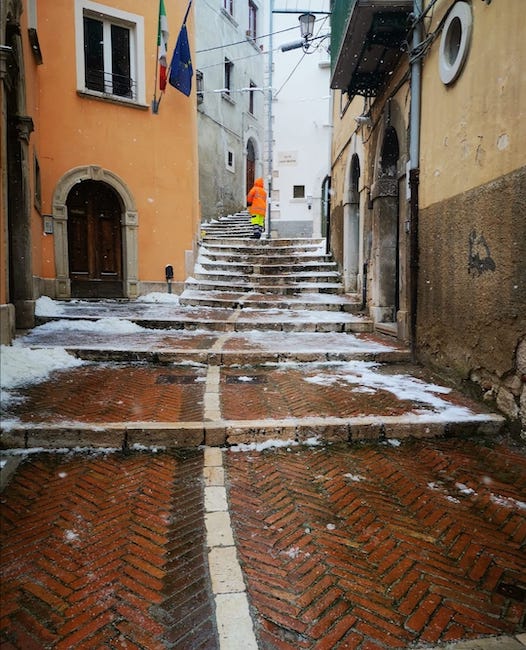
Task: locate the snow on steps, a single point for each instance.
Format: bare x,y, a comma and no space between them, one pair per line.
286,284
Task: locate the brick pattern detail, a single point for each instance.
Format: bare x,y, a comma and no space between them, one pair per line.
124,393
97,554
380,547
274,393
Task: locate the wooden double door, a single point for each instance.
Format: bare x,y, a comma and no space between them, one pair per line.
95,241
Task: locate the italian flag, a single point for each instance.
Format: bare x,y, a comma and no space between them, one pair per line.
162,44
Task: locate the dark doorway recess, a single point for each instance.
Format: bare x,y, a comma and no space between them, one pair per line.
94,241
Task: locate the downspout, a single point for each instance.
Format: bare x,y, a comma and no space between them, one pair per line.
270,136
414,169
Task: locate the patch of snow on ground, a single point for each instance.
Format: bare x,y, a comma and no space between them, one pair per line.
354,477
110,325
508,502
19,366
313,441
403,387
261,446
464,489
45,306
159,296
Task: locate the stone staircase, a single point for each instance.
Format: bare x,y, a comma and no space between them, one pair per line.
232,226
263,344
273,281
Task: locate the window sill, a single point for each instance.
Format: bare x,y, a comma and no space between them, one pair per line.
229,17
228,98
112,99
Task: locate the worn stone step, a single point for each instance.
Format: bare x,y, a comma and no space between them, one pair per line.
261,259
238,300
267,269
260,279
284,289
266,245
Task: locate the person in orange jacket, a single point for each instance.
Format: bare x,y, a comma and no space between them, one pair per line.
257,206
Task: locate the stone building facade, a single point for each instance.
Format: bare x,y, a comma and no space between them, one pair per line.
428,218
98,192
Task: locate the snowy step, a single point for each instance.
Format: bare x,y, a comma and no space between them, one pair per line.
279,245
254,300
261,279
285,289
267,269
262,259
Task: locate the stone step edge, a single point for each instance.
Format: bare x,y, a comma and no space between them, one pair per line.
235,357
357,326
230,433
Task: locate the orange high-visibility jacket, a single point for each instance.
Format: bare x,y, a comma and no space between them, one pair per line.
257,198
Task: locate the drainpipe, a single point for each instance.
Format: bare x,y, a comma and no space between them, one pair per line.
269,118
414,171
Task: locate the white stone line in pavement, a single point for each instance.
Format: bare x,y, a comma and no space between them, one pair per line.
220,341
212,410
234,623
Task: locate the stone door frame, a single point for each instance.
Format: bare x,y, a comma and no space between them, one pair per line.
129,224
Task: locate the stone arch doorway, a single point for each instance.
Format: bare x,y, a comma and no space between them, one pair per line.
95,225
94,241
386,283
250,166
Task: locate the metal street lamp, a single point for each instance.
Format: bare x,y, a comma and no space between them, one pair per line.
307,25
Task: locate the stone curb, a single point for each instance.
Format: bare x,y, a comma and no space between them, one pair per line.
216,433
234,357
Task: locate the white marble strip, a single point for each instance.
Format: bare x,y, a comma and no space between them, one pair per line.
234,623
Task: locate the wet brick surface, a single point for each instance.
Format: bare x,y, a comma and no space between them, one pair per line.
254,392
380,546
114,393
121,392
365,546
106,552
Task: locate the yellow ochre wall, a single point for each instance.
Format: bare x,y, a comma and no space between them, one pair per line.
155,156
474,130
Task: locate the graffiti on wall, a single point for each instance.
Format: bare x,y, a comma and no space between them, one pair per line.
479,259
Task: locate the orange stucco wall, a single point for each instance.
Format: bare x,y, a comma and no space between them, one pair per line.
155,156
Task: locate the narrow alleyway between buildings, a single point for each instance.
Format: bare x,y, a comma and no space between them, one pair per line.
249,465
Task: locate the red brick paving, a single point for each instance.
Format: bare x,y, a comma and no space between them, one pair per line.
363,546
381,547
115,393
94,549
126,392
251,393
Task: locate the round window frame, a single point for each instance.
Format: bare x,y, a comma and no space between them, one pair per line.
449,71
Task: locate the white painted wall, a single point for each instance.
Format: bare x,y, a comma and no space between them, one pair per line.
301,111
225,124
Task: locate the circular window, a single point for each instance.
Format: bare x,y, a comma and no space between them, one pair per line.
454,43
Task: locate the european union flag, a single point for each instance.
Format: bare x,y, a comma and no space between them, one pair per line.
181,70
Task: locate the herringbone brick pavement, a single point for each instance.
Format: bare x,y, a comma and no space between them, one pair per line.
381,546
106,552
288,391
115,393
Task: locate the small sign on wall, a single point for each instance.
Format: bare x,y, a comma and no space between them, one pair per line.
288,157
48,224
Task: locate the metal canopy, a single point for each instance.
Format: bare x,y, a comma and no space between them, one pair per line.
370,45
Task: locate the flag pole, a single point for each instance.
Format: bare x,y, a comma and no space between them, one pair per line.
155,103
183,24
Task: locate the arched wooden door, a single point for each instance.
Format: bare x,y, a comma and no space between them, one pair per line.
251,166
94,241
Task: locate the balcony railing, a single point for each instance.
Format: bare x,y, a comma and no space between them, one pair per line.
111,84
